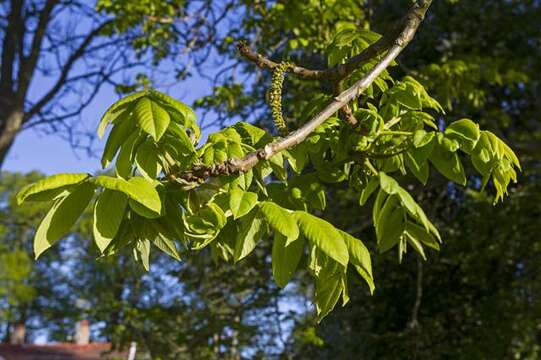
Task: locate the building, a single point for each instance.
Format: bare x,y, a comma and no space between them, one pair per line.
81,349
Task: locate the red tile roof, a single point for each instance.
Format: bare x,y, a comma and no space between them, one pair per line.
60,351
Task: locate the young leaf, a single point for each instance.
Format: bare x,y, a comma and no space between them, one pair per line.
329,287
158,236
185,110
390,225
448,164
388,184
241,202
61,217
359,257
465,132
182,138
249,235
421,138
143,246
151,117
323,235
415,244
252,135
120,133
50,187
166,245
419,169
108,214
368,190
420,234
122,103
144,192
124,161
280,219
285,258
147,160
137,188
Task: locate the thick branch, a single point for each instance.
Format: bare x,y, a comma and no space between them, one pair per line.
233,166
9,46
28,63
341,71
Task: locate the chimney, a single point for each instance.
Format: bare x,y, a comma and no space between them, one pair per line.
18,334
82,332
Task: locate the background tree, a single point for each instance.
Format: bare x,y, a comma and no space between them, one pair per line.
62,44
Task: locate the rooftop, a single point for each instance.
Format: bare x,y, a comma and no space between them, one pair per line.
59,351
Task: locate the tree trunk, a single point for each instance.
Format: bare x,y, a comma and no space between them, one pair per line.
10,124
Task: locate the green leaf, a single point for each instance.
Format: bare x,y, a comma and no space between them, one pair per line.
137,188
50,187
158,236
388,184
448,164
323,235
144,192
250,233
108,214
120,133
368,190
280,219
116,108
297,158
143,210
143,246
61,217
422,138
252,135
285,258
167,246
419,233
419,169
359,257
329,286
389,225
124,161
147,160
277,164
182,138
203,227
415,244
173,220
241,202
465,132
186,111
151,117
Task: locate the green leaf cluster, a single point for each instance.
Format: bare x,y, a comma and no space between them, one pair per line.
147,203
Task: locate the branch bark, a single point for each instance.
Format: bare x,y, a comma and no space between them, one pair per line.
9,46
398,42
28,63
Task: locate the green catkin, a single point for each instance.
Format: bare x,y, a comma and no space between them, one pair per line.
275,96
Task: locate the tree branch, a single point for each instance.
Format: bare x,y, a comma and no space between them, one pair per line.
78,53
340,71
9,46
414,321
28,63
233,166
